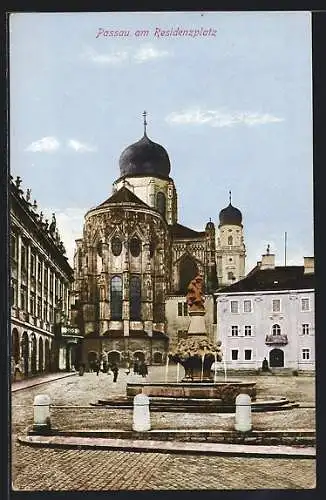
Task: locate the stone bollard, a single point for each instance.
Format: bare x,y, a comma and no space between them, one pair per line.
243,413
141,415
42,421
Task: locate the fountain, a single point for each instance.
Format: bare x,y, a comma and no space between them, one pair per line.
196,353
199,390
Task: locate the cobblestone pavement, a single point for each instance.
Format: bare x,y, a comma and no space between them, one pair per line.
58,469
41,469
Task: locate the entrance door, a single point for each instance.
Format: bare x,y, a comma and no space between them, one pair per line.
140,356
114,357
276,358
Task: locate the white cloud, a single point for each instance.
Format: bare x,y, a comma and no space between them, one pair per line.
103,59
46,145
79,146
149,53
220,118
141,55
70,225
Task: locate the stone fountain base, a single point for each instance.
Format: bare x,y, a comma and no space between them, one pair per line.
224,392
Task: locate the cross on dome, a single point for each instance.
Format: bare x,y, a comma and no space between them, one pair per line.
145,122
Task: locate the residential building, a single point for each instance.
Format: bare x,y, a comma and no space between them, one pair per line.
269,313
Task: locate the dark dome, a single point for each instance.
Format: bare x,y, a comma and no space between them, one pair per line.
144,157
230,215
209,225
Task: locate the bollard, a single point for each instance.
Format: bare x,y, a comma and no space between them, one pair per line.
42,421
141,415
243,413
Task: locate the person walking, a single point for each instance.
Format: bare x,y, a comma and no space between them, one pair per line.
136,366
115,371
105,362
265,367
97,366
143,371
17,371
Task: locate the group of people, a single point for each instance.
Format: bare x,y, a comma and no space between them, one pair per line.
105,367
139,368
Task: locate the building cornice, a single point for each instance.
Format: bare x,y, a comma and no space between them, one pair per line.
265,292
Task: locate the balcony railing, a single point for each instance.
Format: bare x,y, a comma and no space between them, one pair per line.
276,339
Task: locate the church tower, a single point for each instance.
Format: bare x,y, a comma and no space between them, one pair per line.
230,247
144,170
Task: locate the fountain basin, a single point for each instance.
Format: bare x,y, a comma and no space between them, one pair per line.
224,391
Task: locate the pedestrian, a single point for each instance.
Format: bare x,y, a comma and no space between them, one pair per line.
136,366
128,368
97,366
264,366
143,371
105,362
17,371
115,371
81,369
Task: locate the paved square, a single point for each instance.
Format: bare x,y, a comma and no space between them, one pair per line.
66,469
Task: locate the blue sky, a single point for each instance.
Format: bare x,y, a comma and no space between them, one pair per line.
232,108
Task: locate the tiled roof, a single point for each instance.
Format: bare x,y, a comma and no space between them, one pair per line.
178,231
124,195
279,278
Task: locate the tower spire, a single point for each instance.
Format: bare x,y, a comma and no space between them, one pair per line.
230,197
145,122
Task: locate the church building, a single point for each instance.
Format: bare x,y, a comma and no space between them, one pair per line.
134,262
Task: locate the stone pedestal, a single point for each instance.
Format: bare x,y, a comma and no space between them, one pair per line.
197,325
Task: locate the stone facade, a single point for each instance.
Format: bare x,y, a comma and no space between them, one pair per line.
40,282
135,260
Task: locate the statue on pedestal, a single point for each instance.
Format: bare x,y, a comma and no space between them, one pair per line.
195,294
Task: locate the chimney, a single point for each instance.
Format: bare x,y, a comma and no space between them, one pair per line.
309,265
268,260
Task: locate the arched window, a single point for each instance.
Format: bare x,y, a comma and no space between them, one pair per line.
135,247
152,248
187,271
135,298
116,246
116,298
276,330
230,240
161,202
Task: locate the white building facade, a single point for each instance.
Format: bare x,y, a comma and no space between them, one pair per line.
269,314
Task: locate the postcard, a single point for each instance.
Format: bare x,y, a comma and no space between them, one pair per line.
161,251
